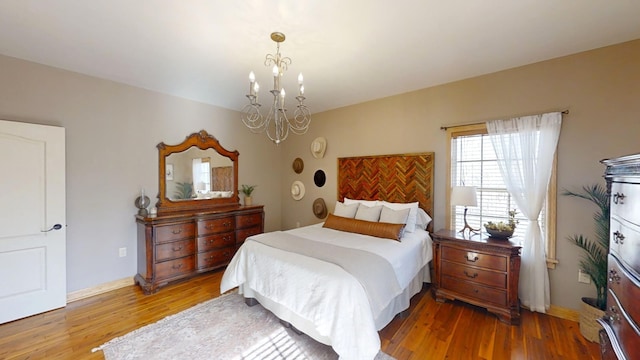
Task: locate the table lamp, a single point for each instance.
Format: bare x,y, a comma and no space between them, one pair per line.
465,196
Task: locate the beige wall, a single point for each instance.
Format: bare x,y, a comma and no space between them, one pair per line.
111,135
601,88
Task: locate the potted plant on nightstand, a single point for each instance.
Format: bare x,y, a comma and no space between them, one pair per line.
594,261
247,190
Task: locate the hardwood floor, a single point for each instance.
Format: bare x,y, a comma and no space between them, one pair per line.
451,330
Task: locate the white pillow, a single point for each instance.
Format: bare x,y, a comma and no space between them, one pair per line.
369,203
423,219
388,215
348,211
368,213
413,213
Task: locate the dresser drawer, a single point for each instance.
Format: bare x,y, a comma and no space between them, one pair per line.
490,278
626,337
244,221
475,291
215,257
625,201
211,242
174,232
625,244
213,226
174,250
242,234
474,258
625,289
173,268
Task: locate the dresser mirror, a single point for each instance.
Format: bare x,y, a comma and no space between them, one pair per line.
197,174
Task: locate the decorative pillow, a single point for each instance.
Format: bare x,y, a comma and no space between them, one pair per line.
348,211
369,203
388,215
413,213
377,229
423,219
368,213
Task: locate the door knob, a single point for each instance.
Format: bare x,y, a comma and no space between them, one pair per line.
54,227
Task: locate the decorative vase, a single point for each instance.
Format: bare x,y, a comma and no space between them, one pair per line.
589,327
248,201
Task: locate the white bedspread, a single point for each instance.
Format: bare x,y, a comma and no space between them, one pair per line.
322,293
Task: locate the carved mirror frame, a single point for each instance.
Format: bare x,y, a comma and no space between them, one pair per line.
203,141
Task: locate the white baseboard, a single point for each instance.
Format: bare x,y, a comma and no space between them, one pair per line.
100,289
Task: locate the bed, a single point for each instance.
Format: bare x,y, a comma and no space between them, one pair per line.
342,287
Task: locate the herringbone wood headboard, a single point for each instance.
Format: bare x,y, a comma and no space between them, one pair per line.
394,178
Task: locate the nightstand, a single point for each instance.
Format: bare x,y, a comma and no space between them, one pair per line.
478,270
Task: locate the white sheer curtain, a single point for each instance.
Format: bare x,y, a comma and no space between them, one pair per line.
196,166
525,149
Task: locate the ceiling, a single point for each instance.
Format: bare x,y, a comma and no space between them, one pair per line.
349,51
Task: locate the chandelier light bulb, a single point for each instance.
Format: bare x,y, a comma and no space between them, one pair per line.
256,87
252,77
300,78
301,89
275,70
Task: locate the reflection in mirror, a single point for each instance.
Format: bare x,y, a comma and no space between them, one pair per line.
197,174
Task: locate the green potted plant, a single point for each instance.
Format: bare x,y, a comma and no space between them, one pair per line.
502,230
247,190
594,260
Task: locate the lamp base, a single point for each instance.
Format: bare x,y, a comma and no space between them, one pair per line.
467,226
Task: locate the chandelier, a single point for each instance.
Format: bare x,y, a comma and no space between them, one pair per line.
276,123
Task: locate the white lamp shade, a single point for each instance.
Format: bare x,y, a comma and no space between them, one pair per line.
464,196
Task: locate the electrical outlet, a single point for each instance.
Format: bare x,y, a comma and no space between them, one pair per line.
583,277
122,252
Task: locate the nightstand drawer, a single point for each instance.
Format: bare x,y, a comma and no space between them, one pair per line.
475,291
474,258
490,278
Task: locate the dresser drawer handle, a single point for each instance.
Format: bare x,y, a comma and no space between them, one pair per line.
618,237
177,267
177,249
470,275
227,238
618,198
227,224
472,257
176,231
613,276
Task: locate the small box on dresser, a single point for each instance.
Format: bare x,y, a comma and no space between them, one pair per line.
478,270
620,337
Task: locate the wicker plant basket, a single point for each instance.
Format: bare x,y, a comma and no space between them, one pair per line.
589,327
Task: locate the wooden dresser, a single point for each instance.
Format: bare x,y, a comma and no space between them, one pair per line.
481,271
180,245
621,323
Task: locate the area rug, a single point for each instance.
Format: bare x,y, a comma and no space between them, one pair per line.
221,328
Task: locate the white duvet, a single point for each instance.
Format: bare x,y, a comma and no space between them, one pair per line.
321,298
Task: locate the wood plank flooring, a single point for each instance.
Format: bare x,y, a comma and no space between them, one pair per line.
433,330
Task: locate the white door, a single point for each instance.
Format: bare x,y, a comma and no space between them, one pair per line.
33,276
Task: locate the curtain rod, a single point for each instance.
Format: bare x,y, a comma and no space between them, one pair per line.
563,112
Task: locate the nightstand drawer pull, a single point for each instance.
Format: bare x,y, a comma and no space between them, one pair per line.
470,275
473,257
177,248
176,231
613,276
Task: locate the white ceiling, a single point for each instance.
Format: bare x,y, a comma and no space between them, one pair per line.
349,51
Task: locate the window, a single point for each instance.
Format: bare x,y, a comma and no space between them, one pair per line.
472,162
